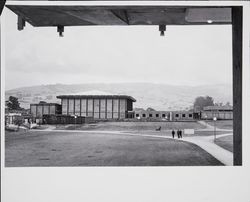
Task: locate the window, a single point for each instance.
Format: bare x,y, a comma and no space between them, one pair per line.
150,115
137,115
176,115
163,115
157,115
183,115
190,115
143,115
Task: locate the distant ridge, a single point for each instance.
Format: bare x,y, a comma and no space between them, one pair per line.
156,96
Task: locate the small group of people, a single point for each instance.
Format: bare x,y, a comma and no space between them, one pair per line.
178,132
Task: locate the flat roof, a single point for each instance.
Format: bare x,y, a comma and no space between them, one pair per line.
98,96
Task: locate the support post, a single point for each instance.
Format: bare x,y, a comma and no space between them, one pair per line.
237,82
20,23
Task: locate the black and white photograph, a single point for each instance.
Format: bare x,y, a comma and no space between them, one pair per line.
96,85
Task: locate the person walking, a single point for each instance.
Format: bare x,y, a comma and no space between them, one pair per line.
180,133
173,133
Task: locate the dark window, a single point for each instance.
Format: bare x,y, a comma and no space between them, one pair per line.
163,115
183,115
190,115
137,115
157,115
176,115
150,115
143,115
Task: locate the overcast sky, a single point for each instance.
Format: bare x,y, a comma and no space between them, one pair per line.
187,55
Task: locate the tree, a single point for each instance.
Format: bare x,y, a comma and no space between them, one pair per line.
18,121
201,102
13,103
150,109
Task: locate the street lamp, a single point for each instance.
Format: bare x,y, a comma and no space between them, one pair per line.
215,119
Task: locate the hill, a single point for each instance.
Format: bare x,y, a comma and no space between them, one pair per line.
157,96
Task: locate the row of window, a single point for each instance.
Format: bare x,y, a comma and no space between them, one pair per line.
90,105
151,115
164,115
184,115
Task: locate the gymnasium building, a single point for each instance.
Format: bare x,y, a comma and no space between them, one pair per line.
98,106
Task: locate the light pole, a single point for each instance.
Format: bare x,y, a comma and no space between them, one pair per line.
215,119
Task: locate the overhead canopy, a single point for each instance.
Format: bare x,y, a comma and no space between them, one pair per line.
41,16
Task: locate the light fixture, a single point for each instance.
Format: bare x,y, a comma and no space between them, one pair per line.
60,29
209,21
162,29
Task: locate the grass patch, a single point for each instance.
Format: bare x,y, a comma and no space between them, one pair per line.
133,126
222,124
225,142
93,149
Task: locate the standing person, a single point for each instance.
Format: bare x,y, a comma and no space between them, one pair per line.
173,133
180,133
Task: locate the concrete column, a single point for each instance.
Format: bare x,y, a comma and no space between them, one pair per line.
237,82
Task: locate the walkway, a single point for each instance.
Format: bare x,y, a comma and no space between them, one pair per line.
205,142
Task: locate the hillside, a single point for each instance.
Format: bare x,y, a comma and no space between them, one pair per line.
157,96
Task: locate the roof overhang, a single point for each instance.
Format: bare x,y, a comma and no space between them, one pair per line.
84,15
96,97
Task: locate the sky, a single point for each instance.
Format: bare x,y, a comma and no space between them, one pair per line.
186,55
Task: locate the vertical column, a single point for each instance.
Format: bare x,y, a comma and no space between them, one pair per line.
99,108
106,111
93,105
67,106
237,82
126,109
87,102
119,108
74,106
112,108
80,106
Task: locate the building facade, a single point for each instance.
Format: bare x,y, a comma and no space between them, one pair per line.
164,115
181,115
151,114
220,112
97,106
38,110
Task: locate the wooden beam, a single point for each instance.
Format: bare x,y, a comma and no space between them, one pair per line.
237,82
